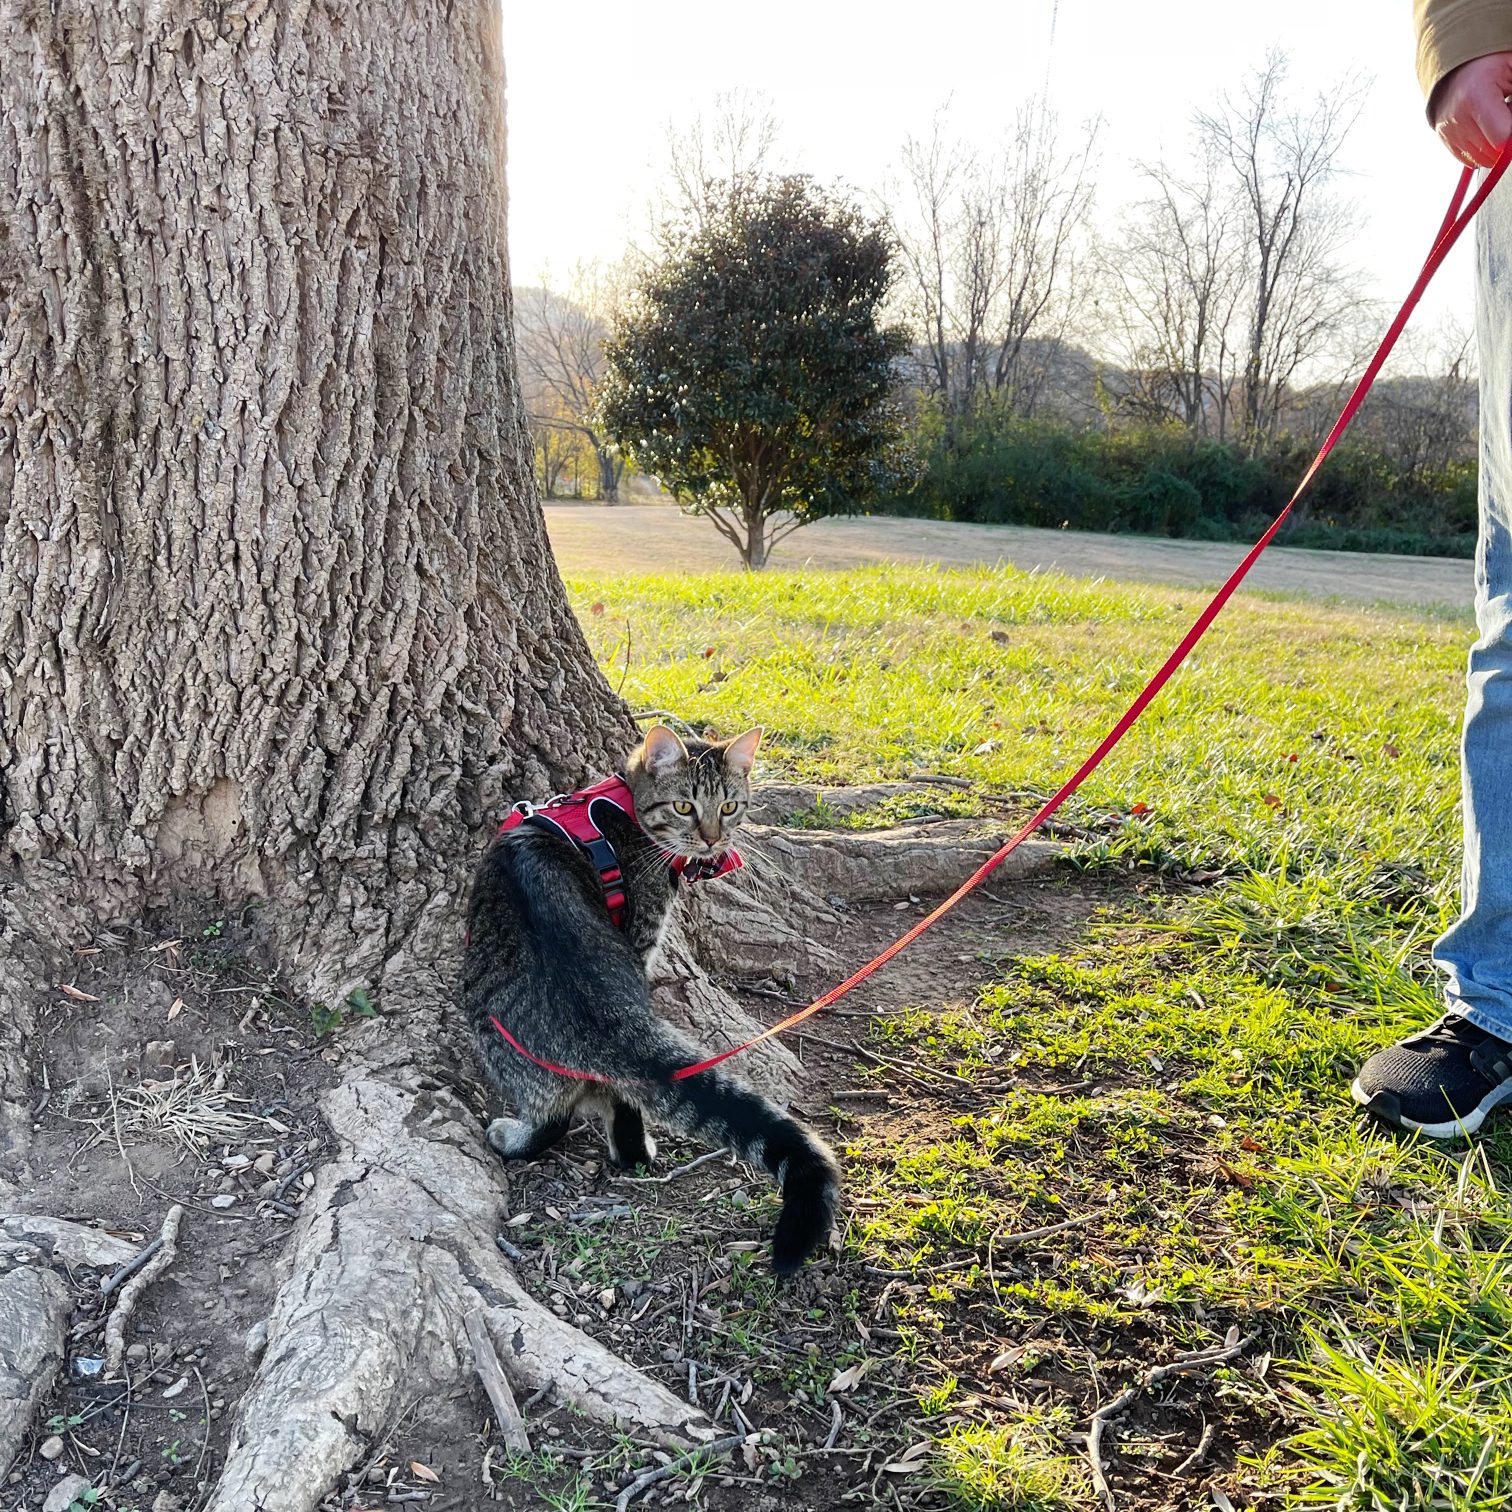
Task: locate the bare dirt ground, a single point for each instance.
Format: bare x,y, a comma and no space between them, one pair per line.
660,538
178,1072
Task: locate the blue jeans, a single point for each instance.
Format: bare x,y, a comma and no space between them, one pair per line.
1475,955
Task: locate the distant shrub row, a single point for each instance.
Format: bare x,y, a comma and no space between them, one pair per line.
1160,480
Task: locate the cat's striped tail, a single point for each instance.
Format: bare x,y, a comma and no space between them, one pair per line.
716,1109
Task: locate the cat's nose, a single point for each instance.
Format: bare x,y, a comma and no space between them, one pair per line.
709,833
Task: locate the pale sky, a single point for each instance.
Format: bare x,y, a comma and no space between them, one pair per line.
593,87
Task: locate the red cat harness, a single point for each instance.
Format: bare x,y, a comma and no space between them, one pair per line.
572,815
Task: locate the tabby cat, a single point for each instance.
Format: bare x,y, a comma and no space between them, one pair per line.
545,962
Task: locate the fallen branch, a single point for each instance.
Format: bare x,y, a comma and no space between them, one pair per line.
131,1291
131,1267
506,1410
675,1467
1200,1360
677,1171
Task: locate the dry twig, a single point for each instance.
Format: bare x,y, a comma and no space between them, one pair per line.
1199,1360
131,1267
491,1373
1199,1454
677,1171
644,1482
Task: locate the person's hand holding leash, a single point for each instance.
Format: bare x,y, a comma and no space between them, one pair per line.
1470,110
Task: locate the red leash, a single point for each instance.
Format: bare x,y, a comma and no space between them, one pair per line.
1455,221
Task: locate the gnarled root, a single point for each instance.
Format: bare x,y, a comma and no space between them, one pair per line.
395,1247
34,1308
884,865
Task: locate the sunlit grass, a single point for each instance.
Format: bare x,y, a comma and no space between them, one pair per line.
1177,1080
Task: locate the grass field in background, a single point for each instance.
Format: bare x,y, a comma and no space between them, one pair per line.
1295,787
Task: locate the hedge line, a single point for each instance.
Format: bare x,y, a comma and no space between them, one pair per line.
1158,480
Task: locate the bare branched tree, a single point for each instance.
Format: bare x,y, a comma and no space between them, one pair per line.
1225,284
714,156
1175,279
1283,161
989,246
560,344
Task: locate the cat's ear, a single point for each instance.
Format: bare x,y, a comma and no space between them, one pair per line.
740,754
662,750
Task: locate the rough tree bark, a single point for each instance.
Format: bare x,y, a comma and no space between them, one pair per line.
278,616
280,611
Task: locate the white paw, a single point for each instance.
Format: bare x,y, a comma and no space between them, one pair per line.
509,1136
650,1149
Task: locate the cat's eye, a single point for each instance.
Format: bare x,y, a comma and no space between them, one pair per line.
683,806
728,807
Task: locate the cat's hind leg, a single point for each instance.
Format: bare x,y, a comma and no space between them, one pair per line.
629,1144
522,1139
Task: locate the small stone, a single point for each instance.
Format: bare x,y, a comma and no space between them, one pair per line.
61,1497
738,1198
177,1389
606,1298
257,1337
264,1163
136,1353
50,1448
223,1200
166,1501
670,1354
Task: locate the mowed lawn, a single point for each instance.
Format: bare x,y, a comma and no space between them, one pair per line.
1285,819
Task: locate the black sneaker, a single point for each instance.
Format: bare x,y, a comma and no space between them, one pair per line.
1440,1082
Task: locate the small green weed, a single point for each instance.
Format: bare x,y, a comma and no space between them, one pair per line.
1017,1469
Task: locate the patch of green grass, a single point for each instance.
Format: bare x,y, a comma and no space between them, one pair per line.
1017,1469
1175,1078
1295,730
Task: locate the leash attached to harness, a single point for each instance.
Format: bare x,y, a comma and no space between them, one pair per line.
1458,216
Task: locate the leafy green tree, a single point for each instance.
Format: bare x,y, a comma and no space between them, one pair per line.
750,371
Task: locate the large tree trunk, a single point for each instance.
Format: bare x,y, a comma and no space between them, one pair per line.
280,619
280,611
609,467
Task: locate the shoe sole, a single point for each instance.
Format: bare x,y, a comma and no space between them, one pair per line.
1385,1107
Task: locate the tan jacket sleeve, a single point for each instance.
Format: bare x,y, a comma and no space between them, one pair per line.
1451,32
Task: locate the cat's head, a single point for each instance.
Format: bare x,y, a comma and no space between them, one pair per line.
690,798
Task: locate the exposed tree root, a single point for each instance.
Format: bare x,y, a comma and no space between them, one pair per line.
34,1308
873,865
120,1314
395,1247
